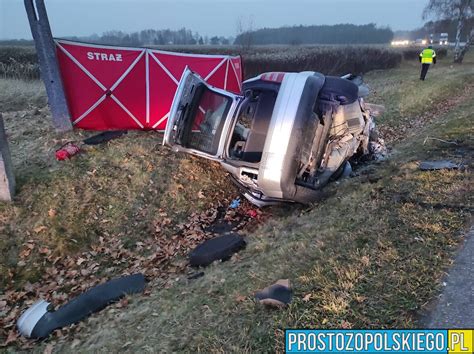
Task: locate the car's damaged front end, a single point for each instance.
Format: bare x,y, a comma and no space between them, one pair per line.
282,140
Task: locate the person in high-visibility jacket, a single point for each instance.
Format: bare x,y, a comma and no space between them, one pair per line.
427,57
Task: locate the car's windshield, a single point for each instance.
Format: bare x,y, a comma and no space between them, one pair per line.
207,120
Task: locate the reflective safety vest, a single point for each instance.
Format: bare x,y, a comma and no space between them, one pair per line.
427,56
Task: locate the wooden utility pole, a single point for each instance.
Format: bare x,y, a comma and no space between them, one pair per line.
7,179
48,62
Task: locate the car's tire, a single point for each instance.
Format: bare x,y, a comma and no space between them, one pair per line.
219,248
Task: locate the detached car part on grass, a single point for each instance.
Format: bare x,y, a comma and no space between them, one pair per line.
282,140
39,321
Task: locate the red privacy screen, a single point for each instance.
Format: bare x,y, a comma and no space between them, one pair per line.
115,88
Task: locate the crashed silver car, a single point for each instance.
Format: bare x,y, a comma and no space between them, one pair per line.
284,138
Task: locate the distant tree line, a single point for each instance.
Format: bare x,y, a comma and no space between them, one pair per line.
155,37
324,34
148,37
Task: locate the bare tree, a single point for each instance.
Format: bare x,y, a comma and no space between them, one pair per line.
457,10
245,32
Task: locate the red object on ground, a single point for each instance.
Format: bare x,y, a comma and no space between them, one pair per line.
67,151
120,88
252,213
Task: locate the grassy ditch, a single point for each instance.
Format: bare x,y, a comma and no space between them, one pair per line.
411,103
372,255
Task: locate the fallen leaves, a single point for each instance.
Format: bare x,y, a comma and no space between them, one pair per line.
39,229
157,256
49,349
240,298
12,336
44,251
25,253
122,303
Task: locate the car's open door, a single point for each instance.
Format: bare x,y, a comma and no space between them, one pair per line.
200,117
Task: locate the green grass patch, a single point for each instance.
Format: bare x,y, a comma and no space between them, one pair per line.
407,98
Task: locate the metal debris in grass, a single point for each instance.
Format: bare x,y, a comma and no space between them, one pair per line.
441,140
439,165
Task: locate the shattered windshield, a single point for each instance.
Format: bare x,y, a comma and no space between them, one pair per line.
208,116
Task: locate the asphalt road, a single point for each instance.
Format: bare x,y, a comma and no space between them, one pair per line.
455,308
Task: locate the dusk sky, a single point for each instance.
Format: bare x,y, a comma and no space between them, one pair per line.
218,17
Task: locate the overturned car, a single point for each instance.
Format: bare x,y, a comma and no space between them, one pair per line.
282,140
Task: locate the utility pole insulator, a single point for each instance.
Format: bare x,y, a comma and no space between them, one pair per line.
48,62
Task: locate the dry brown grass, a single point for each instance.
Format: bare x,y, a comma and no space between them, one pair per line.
19,95
18,62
